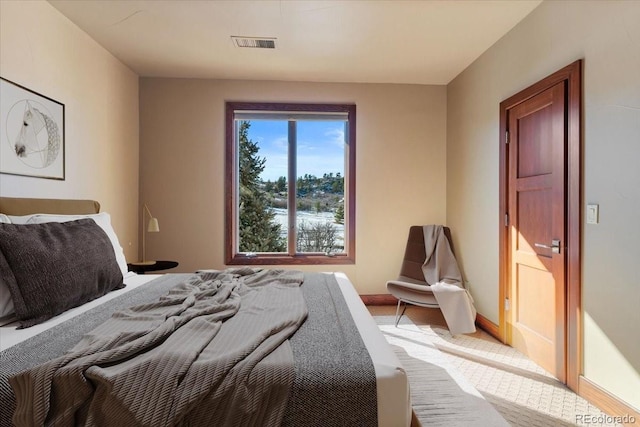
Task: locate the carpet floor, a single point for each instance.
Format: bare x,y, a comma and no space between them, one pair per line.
440,394
475,371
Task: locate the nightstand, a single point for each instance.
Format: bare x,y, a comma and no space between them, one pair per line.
155,266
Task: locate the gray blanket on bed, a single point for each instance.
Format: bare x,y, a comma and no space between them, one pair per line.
334,382
170,362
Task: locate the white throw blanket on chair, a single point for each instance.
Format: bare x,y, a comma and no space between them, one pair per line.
442,273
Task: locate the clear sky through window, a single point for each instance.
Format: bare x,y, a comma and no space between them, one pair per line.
320,147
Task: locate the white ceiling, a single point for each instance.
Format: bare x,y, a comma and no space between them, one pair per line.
373,41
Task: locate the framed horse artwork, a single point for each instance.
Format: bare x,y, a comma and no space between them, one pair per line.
31,133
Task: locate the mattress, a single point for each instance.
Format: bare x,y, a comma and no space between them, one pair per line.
394,408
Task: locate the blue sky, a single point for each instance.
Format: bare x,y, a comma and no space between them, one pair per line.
320,147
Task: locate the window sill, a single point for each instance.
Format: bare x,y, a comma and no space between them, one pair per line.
273,259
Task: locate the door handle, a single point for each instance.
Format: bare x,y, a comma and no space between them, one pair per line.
555,246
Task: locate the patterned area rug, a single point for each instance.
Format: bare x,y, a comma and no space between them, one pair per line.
440,394
522,392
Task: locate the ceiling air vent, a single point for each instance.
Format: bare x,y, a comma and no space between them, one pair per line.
259,42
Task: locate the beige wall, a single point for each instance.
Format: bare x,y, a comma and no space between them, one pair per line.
607,35
400,166
42,50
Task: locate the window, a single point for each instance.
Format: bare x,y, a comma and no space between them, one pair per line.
290,183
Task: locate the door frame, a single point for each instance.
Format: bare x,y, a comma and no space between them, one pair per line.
572,75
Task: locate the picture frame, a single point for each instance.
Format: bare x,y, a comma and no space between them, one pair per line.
32,133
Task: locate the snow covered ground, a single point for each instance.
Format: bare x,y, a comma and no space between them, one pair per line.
309,218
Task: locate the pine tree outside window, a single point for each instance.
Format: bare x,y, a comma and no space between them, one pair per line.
290,183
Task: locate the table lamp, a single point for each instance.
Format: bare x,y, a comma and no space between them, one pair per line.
152,227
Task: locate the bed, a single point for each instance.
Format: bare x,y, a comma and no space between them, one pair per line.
344,372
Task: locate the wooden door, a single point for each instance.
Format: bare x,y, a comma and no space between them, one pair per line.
537,217
540,200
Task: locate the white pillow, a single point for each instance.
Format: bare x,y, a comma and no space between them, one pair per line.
6,302
103,219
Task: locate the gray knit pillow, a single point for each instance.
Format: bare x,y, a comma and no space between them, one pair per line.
52,267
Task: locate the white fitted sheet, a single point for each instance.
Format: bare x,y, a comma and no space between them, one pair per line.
392,383
393,398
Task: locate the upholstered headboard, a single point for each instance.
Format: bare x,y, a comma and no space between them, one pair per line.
26,206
